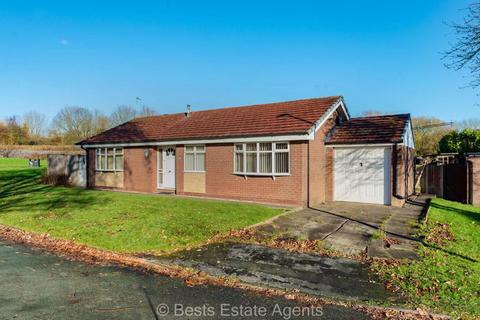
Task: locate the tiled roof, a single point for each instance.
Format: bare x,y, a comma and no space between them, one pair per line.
376,129
282,118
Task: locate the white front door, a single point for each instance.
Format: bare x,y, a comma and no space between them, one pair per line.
362,175
168,155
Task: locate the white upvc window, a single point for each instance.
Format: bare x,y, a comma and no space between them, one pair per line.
195,158
262,158
109,159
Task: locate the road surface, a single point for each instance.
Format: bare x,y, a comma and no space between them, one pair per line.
38,285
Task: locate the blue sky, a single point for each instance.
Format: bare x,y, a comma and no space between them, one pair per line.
382,55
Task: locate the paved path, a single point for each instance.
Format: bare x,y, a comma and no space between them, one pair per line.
355,228
35,285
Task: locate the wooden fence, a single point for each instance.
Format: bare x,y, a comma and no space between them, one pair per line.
456,182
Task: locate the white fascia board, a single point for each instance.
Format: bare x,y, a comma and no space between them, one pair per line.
285,138
364,145
319,123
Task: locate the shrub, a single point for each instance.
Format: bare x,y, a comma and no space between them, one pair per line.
55,179
467,140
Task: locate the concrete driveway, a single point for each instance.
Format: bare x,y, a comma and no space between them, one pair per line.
350,228
36,285
355,228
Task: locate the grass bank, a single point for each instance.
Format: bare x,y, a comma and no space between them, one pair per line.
116,221
447,278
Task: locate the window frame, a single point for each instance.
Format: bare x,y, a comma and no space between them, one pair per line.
103,152
195,152
258,152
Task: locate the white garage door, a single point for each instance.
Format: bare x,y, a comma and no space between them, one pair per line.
362,175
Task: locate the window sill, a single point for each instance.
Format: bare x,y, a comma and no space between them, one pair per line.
261,174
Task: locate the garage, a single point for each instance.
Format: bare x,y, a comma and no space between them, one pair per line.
362,174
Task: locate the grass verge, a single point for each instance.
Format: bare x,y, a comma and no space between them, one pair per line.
122,222
447,277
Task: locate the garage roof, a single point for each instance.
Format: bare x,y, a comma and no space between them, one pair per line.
281,118
370,130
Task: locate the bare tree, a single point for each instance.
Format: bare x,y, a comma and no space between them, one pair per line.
427,132
73,124
465,52
147,111
371,113
472,123
3,133
36,122
122,114
13,133
100,122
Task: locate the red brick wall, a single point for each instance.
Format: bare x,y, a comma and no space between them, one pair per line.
321,164
474,181
329,174
91,167
308,174
405,178
179,167
140,172
222,183
140,175
411,171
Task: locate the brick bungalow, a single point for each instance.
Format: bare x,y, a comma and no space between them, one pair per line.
301,152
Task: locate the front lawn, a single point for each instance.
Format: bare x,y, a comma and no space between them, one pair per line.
116,221
15,164
447,278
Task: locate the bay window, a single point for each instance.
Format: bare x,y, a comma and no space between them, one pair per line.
195,158
262,158
109,159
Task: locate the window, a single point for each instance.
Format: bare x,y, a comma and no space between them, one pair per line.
119,159
195,158
100,162
109,159
262,158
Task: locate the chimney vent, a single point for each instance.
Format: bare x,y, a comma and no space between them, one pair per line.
189,110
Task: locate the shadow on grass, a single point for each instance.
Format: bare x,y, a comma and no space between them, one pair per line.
21,190
469,214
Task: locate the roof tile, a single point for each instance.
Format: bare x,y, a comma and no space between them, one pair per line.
376,129
281,118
